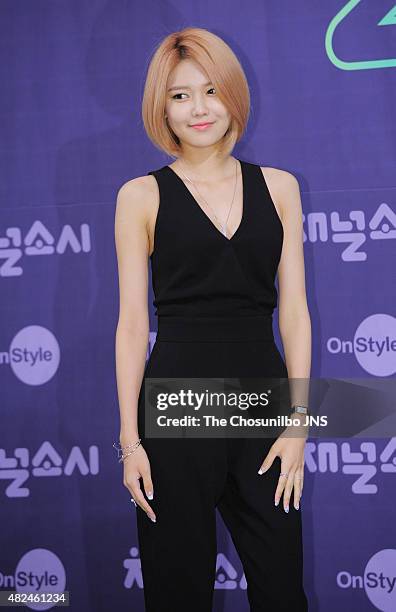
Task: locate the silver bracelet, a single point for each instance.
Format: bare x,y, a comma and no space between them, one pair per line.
299,409
121,449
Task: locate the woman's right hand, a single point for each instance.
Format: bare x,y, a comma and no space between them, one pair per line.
137,466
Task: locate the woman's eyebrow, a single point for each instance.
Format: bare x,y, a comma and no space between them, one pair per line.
186,86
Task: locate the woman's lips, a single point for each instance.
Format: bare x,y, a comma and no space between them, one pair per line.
202,126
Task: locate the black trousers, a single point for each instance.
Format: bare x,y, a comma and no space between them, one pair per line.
193,477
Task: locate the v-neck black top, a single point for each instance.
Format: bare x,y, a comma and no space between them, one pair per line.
196,270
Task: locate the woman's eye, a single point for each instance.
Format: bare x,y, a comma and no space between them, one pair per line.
183,94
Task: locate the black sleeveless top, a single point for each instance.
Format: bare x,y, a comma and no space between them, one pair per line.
196,270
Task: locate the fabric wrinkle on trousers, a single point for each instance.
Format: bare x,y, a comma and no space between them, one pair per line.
194,476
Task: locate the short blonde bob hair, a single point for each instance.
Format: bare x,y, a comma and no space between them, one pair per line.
218,61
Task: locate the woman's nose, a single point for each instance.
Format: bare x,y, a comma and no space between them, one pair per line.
199,105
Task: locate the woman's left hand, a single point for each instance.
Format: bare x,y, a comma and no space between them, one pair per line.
291,453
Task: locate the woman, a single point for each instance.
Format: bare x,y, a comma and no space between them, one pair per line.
217,230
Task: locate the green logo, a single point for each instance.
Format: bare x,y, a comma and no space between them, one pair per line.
388,20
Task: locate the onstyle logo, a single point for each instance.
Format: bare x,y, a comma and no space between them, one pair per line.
373,345
378,580
39,571
34,355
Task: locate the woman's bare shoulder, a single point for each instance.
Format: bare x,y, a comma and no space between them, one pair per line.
138,197
278,177
138,190
282,185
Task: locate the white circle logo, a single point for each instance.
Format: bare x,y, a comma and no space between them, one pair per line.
34,355
380,580
40,571
375,344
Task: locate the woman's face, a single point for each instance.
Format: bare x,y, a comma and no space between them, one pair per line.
194,100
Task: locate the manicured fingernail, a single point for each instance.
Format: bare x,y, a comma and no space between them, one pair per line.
152,518
276,502
287,509
297,506
260,471
150,495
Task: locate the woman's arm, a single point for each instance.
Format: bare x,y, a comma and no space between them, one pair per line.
295,329
132,332
294,318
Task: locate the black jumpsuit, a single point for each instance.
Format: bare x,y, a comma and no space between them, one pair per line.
214,299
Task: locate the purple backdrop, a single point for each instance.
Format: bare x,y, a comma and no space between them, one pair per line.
322,79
